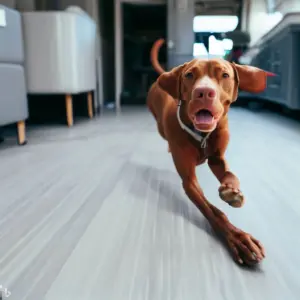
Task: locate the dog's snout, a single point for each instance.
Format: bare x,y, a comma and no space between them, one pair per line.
205,93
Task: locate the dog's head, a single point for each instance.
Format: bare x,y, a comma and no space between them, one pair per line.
208,87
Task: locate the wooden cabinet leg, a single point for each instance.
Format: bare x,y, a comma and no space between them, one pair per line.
90,105
69,110
21,133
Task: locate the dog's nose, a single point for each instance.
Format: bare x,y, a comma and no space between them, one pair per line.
205,93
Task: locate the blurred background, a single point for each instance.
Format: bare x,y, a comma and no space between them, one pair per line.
238,30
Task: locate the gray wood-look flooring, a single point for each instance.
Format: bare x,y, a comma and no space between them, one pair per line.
97,211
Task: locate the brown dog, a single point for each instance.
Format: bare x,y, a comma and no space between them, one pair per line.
190,105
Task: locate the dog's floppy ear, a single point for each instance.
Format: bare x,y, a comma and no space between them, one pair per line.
251,79
170,81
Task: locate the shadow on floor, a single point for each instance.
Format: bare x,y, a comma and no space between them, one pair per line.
170,199
168,190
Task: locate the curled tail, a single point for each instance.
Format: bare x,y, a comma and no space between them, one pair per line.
154,56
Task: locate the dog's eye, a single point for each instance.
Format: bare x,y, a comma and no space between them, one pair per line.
225,75
189,75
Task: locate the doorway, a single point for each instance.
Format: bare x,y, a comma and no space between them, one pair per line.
143,24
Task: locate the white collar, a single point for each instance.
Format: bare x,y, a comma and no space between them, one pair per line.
194,133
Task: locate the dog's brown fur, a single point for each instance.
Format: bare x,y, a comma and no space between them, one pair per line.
181,84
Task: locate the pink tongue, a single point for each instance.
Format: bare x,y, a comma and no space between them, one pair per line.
204,117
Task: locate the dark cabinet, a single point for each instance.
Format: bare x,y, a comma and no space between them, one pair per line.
280,54
278,63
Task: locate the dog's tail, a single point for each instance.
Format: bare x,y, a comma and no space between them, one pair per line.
154,56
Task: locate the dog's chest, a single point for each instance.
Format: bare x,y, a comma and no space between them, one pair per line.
203,154
204,150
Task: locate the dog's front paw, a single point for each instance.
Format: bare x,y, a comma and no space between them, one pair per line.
229,190
231,195
245,248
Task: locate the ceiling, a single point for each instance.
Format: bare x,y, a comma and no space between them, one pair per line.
218,7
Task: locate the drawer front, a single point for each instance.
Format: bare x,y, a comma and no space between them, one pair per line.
279,61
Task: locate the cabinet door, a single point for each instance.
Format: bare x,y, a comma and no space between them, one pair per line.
261,61
280,63
293,88
264,63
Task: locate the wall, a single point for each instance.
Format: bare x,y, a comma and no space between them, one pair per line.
22,5
260,21
25,5
8,3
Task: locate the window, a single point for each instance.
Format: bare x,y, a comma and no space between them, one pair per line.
215,23
216,48
199,50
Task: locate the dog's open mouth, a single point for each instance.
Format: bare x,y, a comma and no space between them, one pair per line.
204,117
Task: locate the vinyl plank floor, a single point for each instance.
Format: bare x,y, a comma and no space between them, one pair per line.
97,212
